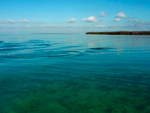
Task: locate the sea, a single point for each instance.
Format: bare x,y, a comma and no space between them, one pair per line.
74,73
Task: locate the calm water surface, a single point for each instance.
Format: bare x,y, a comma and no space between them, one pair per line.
72,73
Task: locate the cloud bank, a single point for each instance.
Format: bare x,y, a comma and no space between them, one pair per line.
72,20
121,15
117,19
99,26
19,21
136,20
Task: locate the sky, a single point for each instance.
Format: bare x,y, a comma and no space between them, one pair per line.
73,16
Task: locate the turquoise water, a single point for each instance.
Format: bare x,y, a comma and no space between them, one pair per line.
72,73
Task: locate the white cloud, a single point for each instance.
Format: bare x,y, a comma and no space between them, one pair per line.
90,19
99,26
55,26
10,21
121,15
136,20
38,21
24,21
102,14
117,19
72,20
71,26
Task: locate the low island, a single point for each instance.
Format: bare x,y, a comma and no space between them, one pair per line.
121,33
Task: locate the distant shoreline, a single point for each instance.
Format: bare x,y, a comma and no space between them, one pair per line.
120,33
54,33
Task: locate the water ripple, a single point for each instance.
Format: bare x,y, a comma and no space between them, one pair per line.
61,53
36,48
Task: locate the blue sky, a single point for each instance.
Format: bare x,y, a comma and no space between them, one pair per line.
80,16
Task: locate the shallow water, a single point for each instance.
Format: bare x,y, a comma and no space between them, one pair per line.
72,73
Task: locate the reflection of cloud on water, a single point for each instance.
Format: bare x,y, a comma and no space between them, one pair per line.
90,45
118,51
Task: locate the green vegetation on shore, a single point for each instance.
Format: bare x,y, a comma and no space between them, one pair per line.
121,33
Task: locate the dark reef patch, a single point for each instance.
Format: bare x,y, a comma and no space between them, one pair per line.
100,48
1,41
